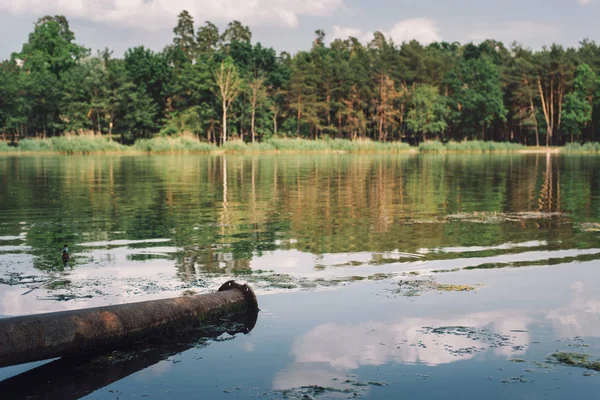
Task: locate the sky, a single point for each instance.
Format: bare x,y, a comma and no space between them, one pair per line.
290,24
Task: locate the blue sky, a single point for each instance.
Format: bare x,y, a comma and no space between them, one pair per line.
289,24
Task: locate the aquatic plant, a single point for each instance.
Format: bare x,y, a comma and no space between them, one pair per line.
299,145
574,360
70,145
177,144
173,145
470,146
236,146
573,148
432,147
416,287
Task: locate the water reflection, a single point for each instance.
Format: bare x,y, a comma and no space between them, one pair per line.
330,352
518,320
175,223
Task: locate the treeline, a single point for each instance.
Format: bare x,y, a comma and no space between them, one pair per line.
217,85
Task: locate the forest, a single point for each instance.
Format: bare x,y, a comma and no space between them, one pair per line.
214,86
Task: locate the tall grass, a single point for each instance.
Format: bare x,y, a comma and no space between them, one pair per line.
187,144
285,144
328,145
471,146
239,146
70,145
572,148
478,146
432,147
173,145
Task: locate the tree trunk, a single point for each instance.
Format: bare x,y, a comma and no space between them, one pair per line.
328,100
110,126
552,119
299,115
252,124
537,131
98,121
560,97
224,130
546,114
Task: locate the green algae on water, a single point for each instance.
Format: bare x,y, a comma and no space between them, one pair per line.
574,360
62,284
416,287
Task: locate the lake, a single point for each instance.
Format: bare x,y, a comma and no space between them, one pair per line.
378,276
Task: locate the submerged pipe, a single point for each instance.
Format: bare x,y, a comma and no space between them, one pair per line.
60,334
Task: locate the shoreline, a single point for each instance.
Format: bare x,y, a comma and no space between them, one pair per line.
82,145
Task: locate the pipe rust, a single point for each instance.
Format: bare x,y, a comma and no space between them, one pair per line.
60,334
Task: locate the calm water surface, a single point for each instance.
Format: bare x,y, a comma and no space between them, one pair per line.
379,276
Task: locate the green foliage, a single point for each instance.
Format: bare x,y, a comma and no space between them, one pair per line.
184,39
576,112
577,107
381,92
427,111
476,99
51,47
138,109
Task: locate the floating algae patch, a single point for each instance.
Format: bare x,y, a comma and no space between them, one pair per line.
574,360
349,388
515,379
499,217
454,288
267,280
483,338
15,278
314,391
416,287
55,285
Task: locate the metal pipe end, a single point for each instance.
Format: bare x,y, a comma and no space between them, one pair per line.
249,294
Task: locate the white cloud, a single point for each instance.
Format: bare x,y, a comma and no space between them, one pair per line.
324,355
343,32
160,13
421,29
584,2
521,31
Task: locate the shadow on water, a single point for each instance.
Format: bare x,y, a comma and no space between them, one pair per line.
76,377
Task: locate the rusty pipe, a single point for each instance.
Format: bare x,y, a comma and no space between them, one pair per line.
60,334
72,378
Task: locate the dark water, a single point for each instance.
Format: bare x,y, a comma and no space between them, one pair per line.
378,276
